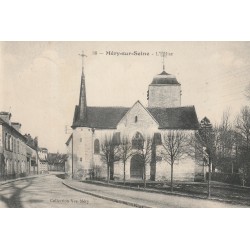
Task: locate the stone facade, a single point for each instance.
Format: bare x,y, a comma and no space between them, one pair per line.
164,96
85,160
17,158
164,91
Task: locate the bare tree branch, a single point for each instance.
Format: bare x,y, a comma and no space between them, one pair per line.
109,153
144,150
174,145
125,152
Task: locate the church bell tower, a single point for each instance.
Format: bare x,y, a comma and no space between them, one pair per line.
164,91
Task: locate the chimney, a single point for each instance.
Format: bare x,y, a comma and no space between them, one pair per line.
5,116
16,126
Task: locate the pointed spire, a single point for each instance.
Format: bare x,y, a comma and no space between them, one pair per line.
82,97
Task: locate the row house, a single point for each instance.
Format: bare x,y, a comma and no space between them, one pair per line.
18,152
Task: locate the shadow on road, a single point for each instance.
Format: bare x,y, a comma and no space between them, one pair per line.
13,191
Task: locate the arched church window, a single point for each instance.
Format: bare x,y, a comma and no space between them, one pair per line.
117,138
96,147
157,139
136,118
137,141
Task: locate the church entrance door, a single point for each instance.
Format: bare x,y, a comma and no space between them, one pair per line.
136,167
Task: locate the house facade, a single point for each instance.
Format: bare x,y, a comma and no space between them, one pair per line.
19,154
43,165
91,125
16,156
32,156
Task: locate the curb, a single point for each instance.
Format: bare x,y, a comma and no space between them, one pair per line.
22,178
148,190
106,197
167,193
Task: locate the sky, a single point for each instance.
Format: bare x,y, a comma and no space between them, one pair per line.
40,81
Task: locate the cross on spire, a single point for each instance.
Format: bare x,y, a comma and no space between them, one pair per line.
82,55
163,61
164,55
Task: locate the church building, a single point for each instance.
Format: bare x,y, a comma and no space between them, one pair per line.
91,125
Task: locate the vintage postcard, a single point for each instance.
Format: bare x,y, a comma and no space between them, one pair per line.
124,124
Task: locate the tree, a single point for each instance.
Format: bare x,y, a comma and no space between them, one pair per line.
205,139
125,152
143,148
224,144
243,140
174,146
57,161
109,153
247,91
243,126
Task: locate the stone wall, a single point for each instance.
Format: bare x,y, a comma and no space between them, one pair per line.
137,119
164,96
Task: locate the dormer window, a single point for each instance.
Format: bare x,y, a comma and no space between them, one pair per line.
136,118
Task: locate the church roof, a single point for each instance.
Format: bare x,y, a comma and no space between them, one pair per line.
168,118
101,117
176,118
164,78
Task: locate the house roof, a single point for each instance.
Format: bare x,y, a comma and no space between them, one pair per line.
13,129
168,118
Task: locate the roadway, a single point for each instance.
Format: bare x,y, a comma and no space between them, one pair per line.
47,192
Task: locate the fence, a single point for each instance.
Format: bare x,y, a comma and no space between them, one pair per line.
226,178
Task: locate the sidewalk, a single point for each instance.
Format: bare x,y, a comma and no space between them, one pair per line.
145,198
22,178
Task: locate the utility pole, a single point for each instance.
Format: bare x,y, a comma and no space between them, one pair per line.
206,127
92,152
